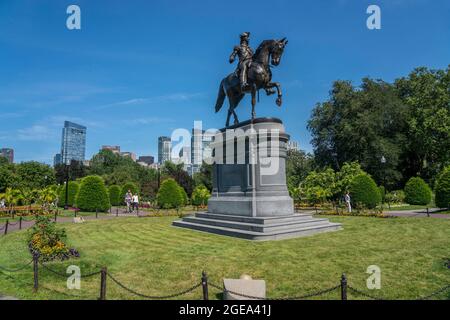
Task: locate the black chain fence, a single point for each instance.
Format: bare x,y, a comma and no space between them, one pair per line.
169,296
343,287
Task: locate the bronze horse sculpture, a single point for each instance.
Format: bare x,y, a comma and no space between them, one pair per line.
259,76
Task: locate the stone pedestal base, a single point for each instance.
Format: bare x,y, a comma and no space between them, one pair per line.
250,198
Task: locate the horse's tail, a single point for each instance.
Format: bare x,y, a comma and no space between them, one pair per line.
220,97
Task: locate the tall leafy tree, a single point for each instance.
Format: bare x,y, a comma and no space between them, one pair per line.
176,171
427,94
298,165
34,175
361,124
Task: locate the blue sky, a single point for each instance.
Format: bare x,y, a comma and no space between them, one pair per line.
140,69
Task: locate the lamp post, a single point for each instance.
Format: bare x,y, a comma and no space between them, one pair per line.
159,177
383,163
66,205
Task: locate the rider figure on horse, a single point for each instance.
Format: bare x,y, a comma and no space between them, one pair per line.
245,54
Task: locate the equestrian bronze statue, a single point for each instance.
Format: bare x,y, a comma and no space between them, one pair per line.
251,75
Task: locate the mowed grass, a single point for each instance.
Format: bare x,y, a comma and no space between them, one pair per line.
153,257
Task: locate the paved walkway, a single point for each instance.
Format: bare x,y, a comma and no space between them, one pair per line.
15,226
419,213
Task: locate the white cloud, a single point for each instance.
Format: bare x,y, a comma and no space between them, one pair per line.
173,97
35,133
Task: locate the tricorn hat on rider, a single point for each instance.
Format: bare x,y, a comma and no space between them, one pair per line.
245,35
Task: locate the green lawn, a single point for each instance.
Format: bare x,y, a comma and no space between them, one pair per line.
152,257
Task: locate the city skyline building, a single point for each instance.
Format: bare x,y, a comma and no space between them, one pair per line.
8,153
200,149
57,159
148,160
293,145
114,149
164,149
73,144
129,154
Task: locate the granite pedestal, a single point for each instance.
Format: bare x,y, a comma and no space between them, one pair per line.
250,198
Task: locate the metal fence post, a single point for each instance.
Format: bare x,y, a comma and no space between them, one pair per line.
20,223
56,215
6,226
96,213
428,212
205,285
343,287
103,276
36,271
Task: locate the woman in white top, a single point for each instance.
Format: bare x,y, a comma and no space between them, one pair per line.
135,202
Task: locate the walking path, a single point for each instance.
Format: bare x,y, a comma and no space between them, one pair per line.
15,226
419,213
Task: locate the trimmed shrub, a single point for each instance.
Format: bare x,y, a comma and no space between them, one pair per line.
184,196
200,196
364,192
443,189
73,190
93,195
169,195
128,186
395,197
114,195
417,192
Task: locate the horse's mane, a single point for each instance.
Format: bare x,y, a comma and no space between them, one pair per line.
262,46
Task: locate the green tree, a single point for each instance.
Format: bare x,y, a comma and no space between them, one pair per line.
47,196
11,197
115,196
417,192
3,161
204,176
364,192
427,95
8,177
442,189
75,170
361,124
320,186
345,176
200,196
169,195
176,172
104,162
35,175
73,189
184,196
93,195
298,166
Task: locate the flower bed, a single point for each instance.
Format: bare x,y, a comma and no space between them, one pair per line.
48,241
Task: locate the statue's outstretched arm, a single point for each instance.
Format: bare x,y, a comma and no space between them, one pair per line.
233,54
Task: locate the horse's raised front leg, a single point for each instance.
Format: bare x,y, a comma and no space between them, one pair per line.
270,91
279,100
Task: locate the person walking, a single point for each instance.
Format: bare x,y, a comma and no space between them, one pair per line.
135,200
128,200
348,202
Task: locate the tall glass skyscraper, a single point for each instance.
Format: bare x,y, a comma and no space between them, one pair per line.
164,149
73,146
